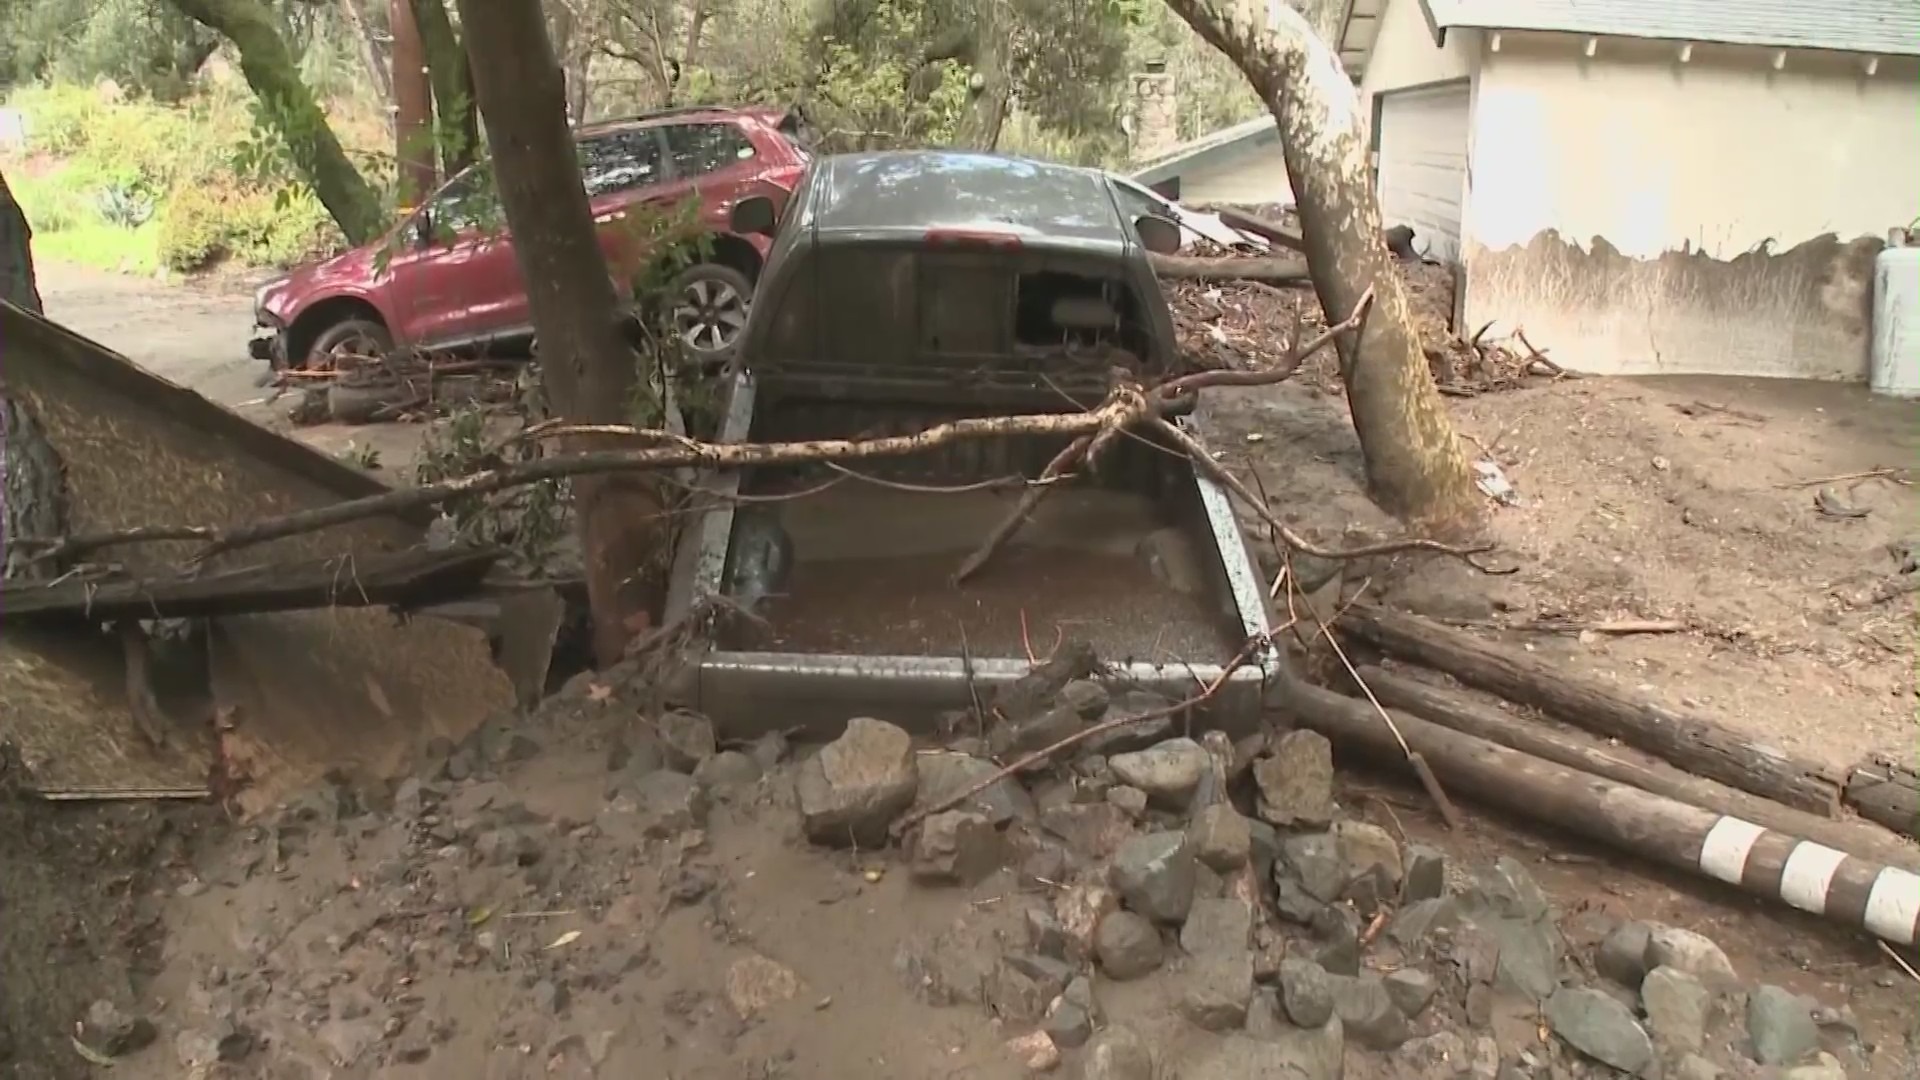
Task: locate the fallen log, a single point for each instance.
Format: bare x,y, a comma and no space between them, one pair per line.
1458,712
1688,740
1806,875
1887,793
410,578
1192,268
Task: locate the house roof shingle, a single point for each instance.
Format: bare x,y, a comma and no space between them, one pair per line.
1880,27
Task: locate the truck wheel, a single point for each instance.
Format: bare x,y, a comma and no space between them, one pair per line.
709,309
343,343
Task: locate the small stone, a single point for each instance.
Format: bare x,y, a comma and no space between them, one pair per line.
1135,736
1168,772
1012,740
1483,1059
672,803
1221,838
1364,850
1305,992
1426,876
1600,1027
1265,1019
1442,1053
1093,830
1263,847
1677,1007
1067,1023
1623,954
1479,1004
756,983
1154,875
728,770
1131,800
1085,697
1529,956
768,751
1410,927
1339,932
1016,996
1780,1026
1217,926
1051,975
1080,909
1511,892
113,1032
957,846
1412,990
1036,1051
1695,954
1824,1066
854,787
1315,863
944,775
551,997
686,739
1117,1053
1295,1055
1695,1067
1218,987
1045,935
1367,1011
1128,946
1296,783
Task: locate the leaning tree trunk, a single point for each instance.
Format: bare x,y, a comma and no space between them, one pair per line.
991,83
32,484
456,128
587,367
291,108
413,140
369,49
1415,466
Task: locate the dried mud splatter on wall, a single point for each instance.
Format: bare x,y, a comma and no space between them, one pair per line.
1802,312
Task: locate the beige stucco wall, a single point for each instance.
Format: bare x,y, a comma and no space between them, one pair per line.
1404,53
1639,214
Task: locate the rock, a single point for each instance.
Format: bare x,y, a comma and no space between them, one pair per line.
1086,698
1412,991
1137,736
1221,838
1128,946
1367,1011
1314,1054
1483,1059
1069,1024
1442,1053
1314,861
114,1033
1824,1066
1035,1051
1080,909
1306,993
1094,831
728,770
1677,1007
1510,891
1780,1026
768,751
1600,1027
1051,975
1263,847
672,803
1426,874
1623,954
944,775
551,997
1694,1067
1168,772
1217,988
1366,849
1529,956
756,983
854,787
1117,1053
1045,935
1217,926
1410,927
1695,954
1339,932
958,846
223,1040
1011,740
1016,996
1131,801
1296,783
686,739
347,1041
1154,875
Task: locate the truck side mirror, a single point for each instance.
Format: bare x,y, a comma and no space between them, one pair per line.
752,216
1157,234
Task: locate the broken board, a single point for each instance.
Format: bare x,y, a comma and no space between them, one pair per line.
139,450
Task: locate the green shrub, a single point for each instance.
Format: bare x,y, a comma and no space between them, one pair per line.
208,224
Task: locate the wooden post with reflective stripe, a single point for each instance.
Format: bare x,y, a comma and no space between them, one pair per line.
1815,878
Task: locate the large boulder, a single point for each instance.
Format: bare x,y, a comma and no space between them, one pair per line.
857,784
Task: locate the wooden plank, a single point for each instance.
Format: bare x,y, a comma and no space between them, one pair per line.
1273,271
406,578
1887,793
1455,710
1686,739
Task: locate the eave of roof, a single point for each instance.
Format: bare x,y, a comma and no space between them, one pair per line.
1872,27
1219,148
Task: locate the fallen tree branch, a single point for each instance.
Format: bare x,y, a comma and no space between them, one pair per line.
1271,231
1194,268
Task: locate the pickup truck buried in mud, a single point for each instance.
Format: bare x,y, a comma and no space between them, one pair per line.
902,290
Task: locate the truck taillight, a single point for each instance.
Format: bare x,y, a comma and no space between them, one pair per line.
982,239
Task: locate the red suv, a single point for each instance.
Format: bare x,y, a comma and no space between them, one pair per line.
445,278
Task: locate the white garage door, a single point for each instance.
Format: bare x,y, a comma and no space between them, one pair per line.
1423,165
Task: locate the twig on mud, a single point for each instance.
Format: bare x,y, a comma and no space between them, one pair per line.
1894,475
1539,357
1240,660
1901,960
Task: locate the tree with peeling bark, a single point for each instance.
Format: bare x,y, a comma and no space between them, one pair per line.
290,107
455,127
1415,466
32,483
586,365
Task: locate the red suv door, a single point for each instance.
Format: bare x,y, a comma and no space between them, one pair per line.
454,278
619,170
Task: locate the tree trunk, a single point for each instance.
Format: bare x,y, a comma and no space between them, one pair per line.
585,363
992,79
456,128
356,15
32,483
413,140
1415,467
291,108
